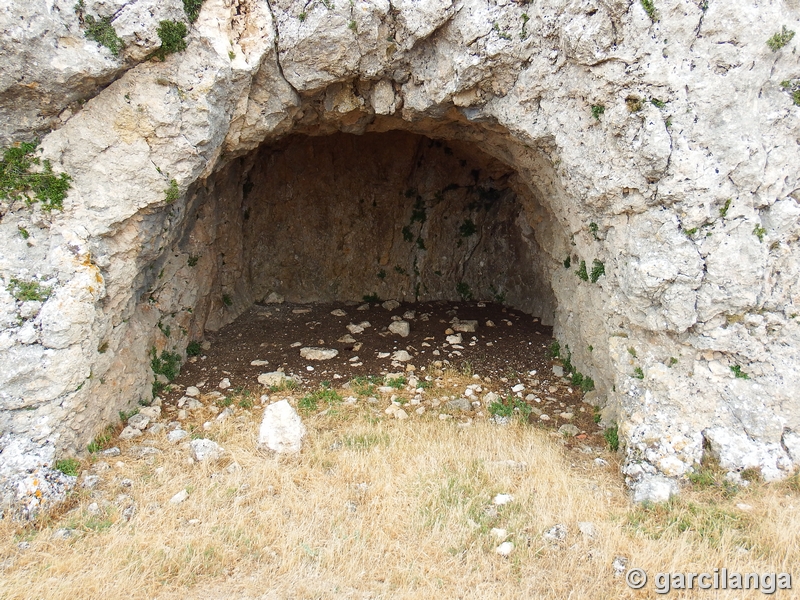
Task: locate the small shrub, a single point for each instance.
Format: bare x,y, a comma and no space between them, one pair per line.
598,110
168,364
554,351
593,230
124,415
463,290
467,228
737,371
658,103
672,361
407,235
581,272
598,270
194,349
638,373
353,26
192,260
246,403
780,39
26,291
302,16
310,402
102,32
172,192
19,182
227,300
567,262
372,298
171,34
611,436
68,466
509,407
224,402
724,210
192,9
397,382
23,233
98,30
100,442
382,274
632,351
650,9
759,232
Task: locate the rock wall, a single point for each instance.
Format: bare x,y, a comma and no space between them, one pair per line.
663,146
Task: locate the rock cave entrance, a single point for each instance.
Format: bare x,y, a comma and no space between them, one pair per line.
392,215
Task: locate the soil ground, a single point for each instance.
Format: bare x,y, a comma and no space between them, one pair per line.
508,348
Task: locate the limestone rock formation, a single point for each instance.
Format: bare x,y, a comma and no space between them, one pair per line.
652,162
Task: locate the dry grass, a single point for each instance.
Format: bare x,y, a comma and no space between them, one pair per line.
379,508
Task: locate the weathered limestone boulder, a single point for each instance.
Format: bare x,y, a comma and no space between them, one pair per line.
651,167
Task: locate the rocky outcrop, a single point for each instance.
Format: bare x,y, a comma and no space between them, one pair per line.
659,157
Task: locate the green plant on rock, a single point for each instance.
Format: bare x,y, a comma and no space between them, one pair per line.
172,35
638,373
372,298
194,349
598,110
793,87
650,8
567,262
99,30
168,364
723,212
780,39
26,291
554,351
467,228
738,373
462,288
598,270
759,232
634,103
172,192
611,436
24,176
581,272
192,9
68,466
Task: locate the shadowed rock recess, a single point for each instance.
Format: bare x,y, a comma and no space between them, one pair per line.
631,181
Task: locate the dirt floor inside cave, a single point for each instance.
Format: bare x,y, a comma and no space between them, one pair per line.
508,348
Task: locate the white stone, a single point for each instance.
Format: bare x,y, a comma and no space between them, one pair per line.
192,391
505,549
654,489
176,435
273,379
391,305
465,326
453,339
401,356
282,430
206,450
501,499
310,353
129,433
179,497
224,384
401,328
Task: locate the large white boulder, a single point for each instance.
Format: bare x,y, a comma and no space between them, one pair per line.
282,430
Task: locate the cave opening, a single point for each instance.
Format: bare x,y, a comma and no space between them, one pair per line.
378,216
308,224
